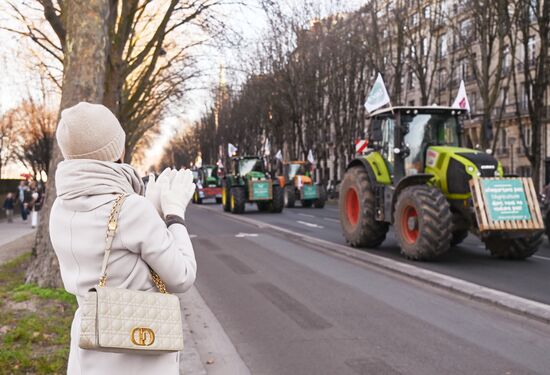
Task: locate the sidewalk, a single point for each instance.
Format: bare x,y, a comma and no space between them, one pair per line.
207,349
12,238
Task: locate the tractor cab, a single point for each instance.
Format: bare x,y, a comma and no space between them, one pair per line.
251,166
297,170
208,175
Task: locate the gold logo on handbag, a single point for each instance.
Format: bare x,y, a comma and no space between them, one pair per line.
142,336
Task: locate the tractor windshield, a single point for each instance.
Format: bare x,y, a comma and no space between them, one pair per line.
428,130
248,165
208,172
295,169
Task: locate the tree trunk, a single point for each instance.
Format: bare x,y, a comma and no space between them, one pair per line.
83,80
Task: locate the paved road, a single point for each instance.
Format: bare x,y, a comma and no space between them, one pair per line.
290,309
468,261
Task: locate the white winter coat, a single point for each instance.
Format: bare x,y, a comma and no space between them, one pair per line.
86,190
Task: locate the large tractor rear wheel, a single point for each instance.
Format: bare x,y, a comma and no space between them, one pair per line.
514,248
290,196
423,222
357,207
196,198
238,199
320,202
226,198
278,202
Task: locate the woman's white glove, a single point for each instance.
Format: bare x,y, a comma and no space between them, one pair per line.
152,192
176,194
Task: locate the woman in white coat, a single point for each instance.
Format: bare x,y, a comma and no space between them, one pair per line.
151,229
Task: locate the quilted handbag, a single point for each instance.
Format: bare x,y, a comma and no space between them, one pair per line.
131,321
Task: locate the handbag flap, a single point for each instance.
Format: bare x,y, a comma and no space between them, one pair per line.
139,320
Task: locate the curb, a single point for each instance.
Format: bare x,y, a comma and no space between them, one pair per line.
519,305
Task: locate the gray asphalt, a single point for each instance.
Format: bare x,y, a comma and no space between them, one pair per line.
290,309
469,261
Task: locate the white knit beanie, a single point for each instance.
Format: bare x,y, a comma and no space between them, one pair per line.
90,131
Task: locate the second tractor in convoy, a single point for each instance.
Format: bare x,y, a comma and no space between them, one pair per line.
249,182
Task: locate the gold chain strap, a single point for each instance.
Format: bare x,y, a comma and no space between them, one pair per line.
111,229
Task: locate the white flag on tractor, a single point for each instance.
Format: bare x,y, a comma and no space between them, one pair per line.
461,100
279,155
219,163
378,96
310,157
231,150
198,161
267,147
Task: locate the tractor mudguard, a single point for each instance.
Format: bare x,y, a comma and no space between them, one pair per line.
416,179
376,166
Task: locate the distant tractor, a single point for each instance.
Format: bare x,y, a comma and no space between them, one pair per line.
299,186
250,183
208,184
417,177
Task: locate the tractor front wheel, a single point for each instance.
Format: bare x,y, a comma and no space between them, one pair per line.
423,222
514,248
458,237
320,202
357,207
278,202
238,199
226,199
290,196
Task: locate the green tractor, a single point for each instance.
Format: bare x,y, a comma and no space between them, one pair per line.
208,184
417,176
249,182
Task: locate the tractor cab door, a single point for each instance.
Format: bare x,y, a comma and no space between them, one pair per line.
382,136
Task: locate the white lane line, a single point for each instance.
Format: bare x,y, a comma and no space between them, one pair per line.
192,236
311,225
242,235
306,215
540,257
331,219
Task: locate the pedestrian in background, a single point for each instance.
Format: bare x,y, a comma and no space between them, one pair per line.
150,230
22,196
9,205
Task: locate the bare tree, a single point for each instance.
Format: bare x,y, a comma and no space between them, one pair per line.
87,37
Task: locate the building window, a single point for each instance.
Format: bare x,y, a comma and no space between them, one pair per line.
414,19
506,59
442,45
532,51
427,12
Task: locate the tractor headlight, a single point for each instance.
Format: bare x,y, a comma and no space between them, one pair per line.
471,169
497,174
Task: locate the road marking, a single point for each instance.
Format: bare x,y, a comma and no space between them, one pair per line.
540,257
306,215
311,225
331,219
192,236
242,235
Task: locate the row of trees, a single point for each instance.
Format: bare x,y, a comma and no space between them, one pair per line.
134,56
311,76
